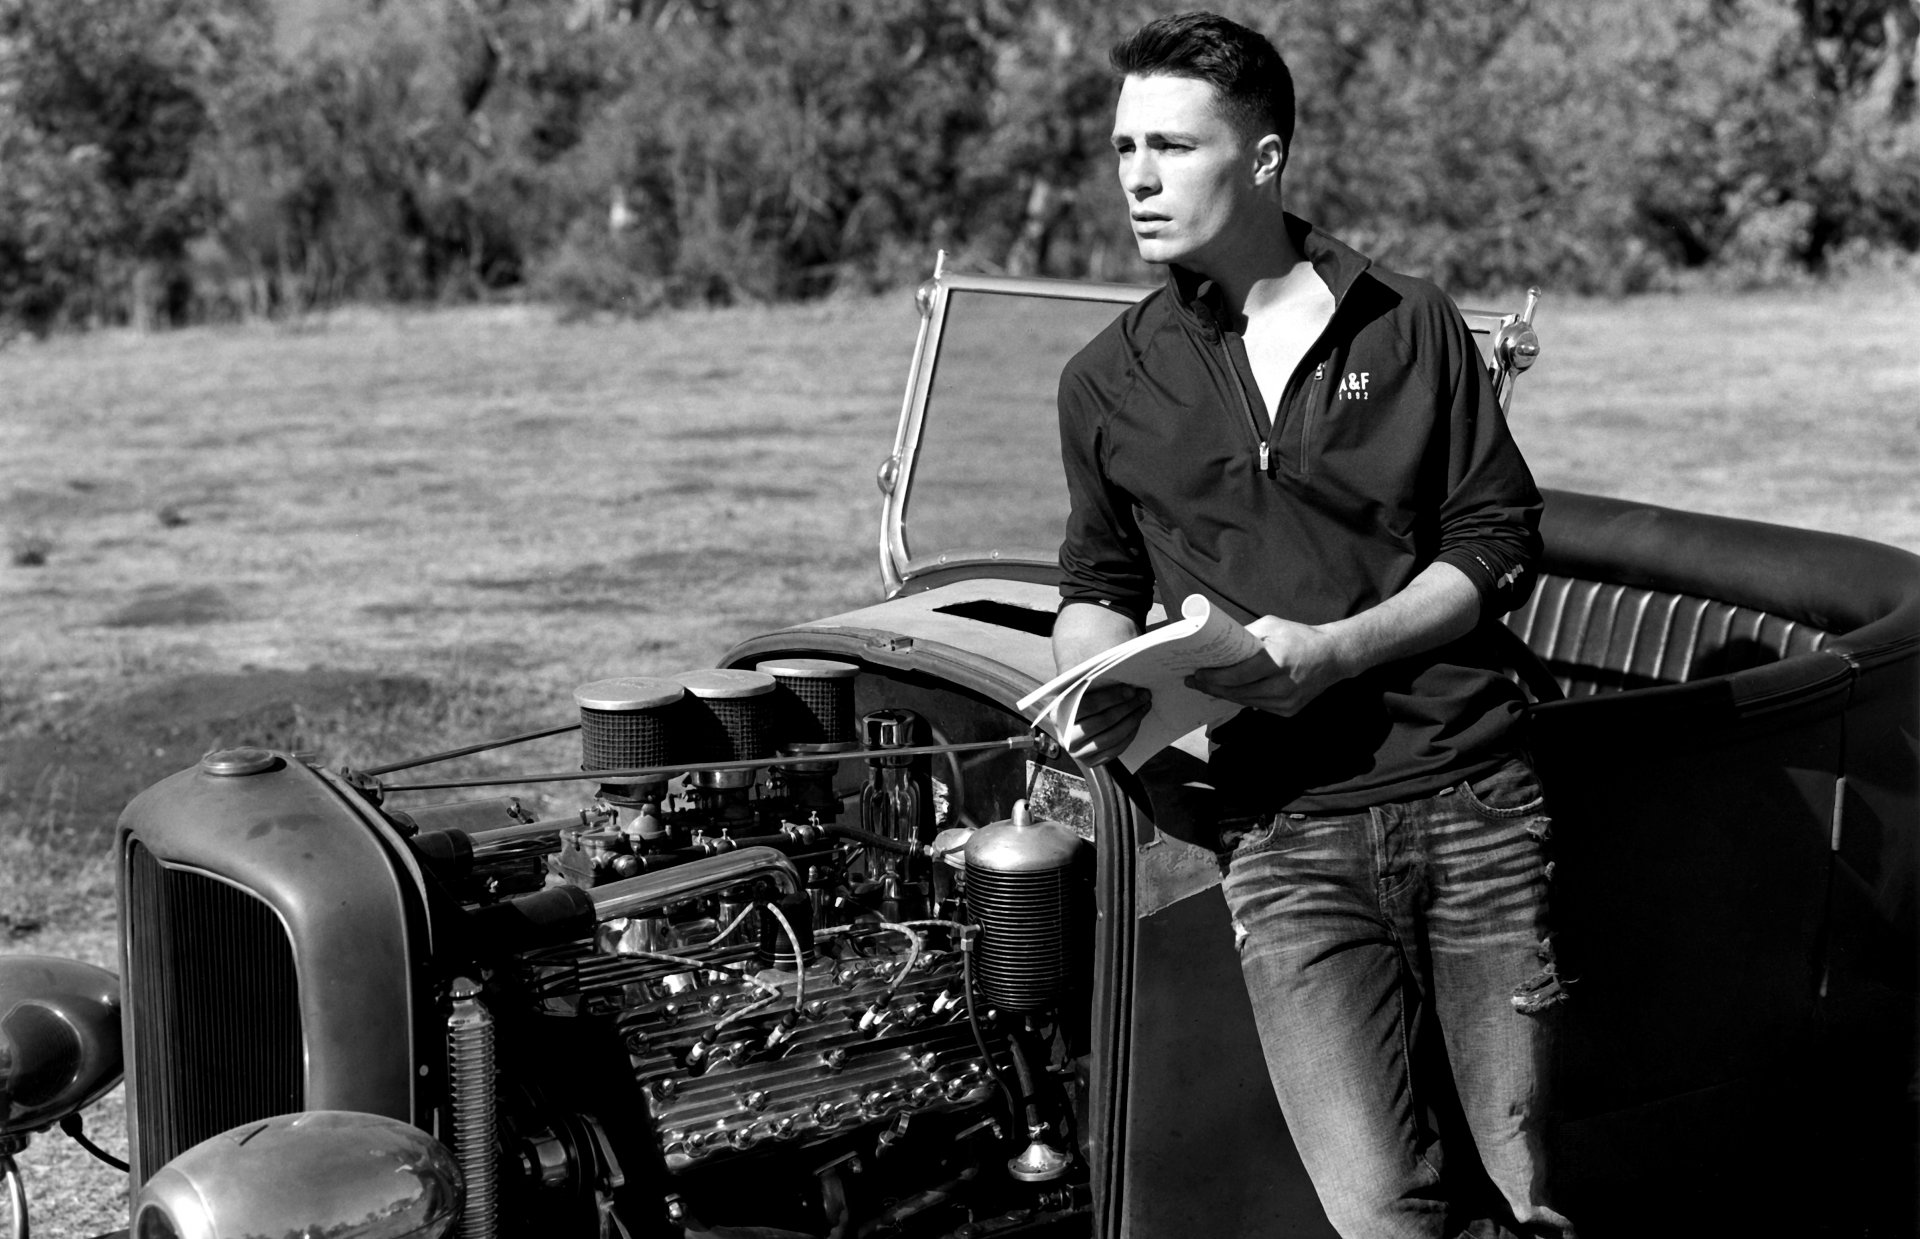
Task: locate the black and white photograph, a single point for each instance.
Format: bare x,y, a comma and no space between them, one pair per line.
959,619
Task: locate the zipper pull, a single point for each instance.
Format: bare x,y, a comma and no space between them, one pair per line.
1320,372
1263,458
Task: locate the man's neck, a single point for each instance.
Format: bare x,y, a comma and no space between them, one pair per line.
1299,283
1258,271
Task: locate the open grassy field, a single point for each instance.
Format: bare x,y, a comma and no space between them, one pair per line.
372,534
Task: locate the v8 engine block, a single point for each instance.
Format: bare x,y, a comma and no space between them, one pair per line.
733,1055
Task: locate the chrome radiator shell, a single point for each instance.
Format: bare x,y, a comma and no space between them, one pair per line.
269,934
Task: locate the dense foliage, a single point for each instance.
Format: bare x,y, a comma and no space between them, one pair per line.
165,160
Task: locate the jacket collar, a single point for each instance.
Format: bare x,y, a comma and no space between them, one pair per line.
1198,300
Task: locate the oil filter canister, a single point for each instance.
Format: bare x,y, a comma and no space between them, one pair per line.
1024,884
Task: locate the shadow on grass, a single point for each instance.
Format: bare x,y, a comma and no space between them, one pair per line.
67,772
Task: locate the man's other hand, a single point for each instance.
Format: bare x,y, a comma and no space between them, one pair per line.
1299,663
1109,715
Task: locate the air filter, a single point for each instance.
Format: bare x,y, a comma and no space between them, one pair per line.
729,714
627,723
814,699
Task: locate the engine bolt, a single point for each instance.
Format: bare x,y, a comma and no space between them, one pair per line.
834,1059
757,1099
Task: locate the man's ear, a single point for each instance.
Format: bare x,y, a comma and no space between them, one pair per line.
1269,159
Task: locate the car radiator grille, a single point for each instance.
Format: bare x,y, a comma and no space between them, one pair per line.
214,1005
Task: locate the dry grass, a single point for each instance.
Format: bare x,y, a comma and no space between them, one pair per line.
1800,407
472,511
465,493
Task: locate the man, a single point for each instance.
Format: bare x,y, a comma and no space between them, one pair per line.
1311,442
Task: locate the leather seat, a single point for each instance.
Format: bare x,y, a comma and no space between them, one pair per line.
1600,636
1633,596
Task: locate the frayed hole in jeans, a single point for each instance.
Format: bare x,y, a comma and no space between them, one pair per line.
1544,988
1239,936
1541,991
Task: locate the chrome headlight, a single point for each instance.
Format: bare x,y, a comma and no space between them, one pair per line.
326,1172
59,1039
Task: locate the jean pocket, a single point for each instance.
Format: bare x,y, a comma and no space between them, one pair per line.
1509,792
1246,836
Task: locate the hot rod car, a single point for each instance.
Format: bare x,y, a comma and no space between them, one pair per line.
830,942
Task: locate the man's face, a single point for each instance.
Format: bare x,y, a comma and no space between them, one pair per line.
1189,175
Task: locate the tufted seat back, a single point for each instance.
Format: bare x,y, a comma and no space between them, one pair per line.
1598,636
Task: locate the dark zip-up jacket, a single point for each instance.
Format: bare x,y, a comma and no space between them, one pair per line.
1389,453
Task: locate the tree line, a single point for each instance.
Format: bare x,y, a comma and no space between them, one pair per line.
168,161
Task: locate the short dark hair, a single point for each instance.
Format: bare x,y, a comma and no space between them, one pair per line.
1256,90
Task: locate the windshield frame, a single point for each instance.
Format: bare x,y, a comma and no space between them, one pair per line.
896,474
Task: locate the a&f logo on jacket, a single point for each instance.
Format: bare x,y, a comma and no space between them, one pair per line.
1354,386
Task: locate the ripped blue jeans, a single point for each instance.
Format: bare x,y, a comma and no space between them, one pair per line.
1361,936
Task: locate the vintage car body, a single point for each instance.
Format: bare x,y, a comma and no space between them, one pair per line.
1729,726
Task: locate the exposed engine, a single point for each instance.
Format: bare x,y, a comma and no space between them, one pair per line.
814,969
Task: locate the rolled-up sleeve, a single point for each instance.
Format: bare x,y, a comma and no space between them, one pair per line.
1102,557
1490,518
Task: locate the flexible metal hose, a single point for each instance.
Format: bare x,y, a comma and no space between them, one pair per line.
470,1068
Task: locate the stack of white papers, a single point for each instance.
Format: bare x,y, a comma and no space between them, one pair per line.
1160,662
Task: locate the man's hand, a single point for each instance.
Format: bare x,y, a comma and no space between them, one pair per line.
1109,715
1299,663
